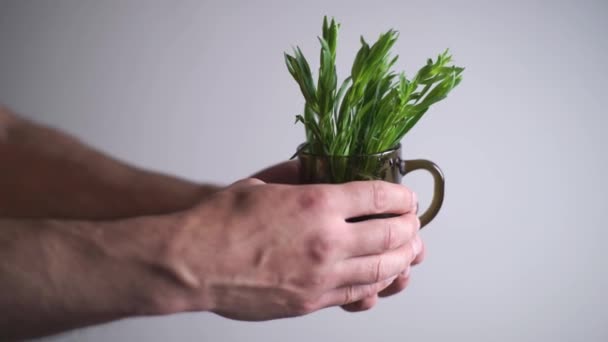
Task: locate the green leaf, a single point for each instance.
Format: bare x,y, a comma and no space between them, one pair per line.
359,59
374,107
305,75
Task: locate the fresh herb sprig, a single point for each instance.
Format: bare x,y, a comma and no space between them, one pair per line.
374,108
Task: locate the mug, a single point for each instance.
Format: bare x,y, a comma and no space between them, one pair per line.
386,166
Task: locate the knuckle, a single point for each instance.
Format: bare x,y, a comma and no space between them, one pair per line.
315,198
321,247
409,196
413,200
379,195
367,291
415,222
378,269
307,307
416,247
389,235
315,280
420,257
303,306
349,294
411,223
235,197
411,256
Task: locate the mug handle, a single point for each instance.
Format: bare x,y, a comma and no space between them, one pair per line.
407,166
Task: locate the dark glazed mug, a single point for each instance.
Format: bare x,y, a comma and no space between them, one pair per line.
387,166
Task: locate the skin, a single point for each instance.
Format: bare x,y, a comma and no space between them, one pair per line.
87,239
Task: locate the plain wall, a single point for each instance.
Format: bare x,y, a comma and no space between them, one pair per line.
200,89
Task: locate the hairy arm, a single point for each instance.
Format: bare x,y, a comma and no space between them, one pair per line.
57,275
253,251
47,173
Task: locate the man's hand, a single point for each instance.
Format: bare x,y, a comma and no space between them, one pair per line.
257,251
288,173
249,251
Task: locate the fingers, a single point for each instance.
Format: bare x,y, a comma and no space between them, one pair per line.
360,281
350,294
403,279
377,236
362,305
398,285
373,268
354,300
374,197
420,257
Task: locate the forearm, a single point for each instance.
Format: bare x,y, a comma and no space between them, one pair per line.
58,275
44,172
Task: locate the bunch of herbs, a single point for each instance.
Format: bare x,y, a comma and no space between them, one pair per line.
374,107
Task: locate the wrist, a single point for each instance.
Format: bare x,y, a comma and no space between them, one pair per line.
109,263
168,278
125,268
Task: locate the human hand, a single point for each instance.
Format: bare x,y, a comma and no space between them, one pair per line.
288,173
257,251
398,285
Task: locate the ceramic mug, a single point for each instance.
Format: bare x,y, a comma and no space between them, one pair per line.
387,166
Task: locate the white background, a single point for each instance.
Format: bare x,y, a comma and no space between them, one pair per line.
199,89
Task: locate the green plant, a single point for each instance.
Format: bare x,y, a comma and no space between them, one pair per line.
374,107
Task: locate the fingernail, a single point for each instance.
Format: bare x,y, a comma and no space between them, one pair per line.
415,202
417,245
